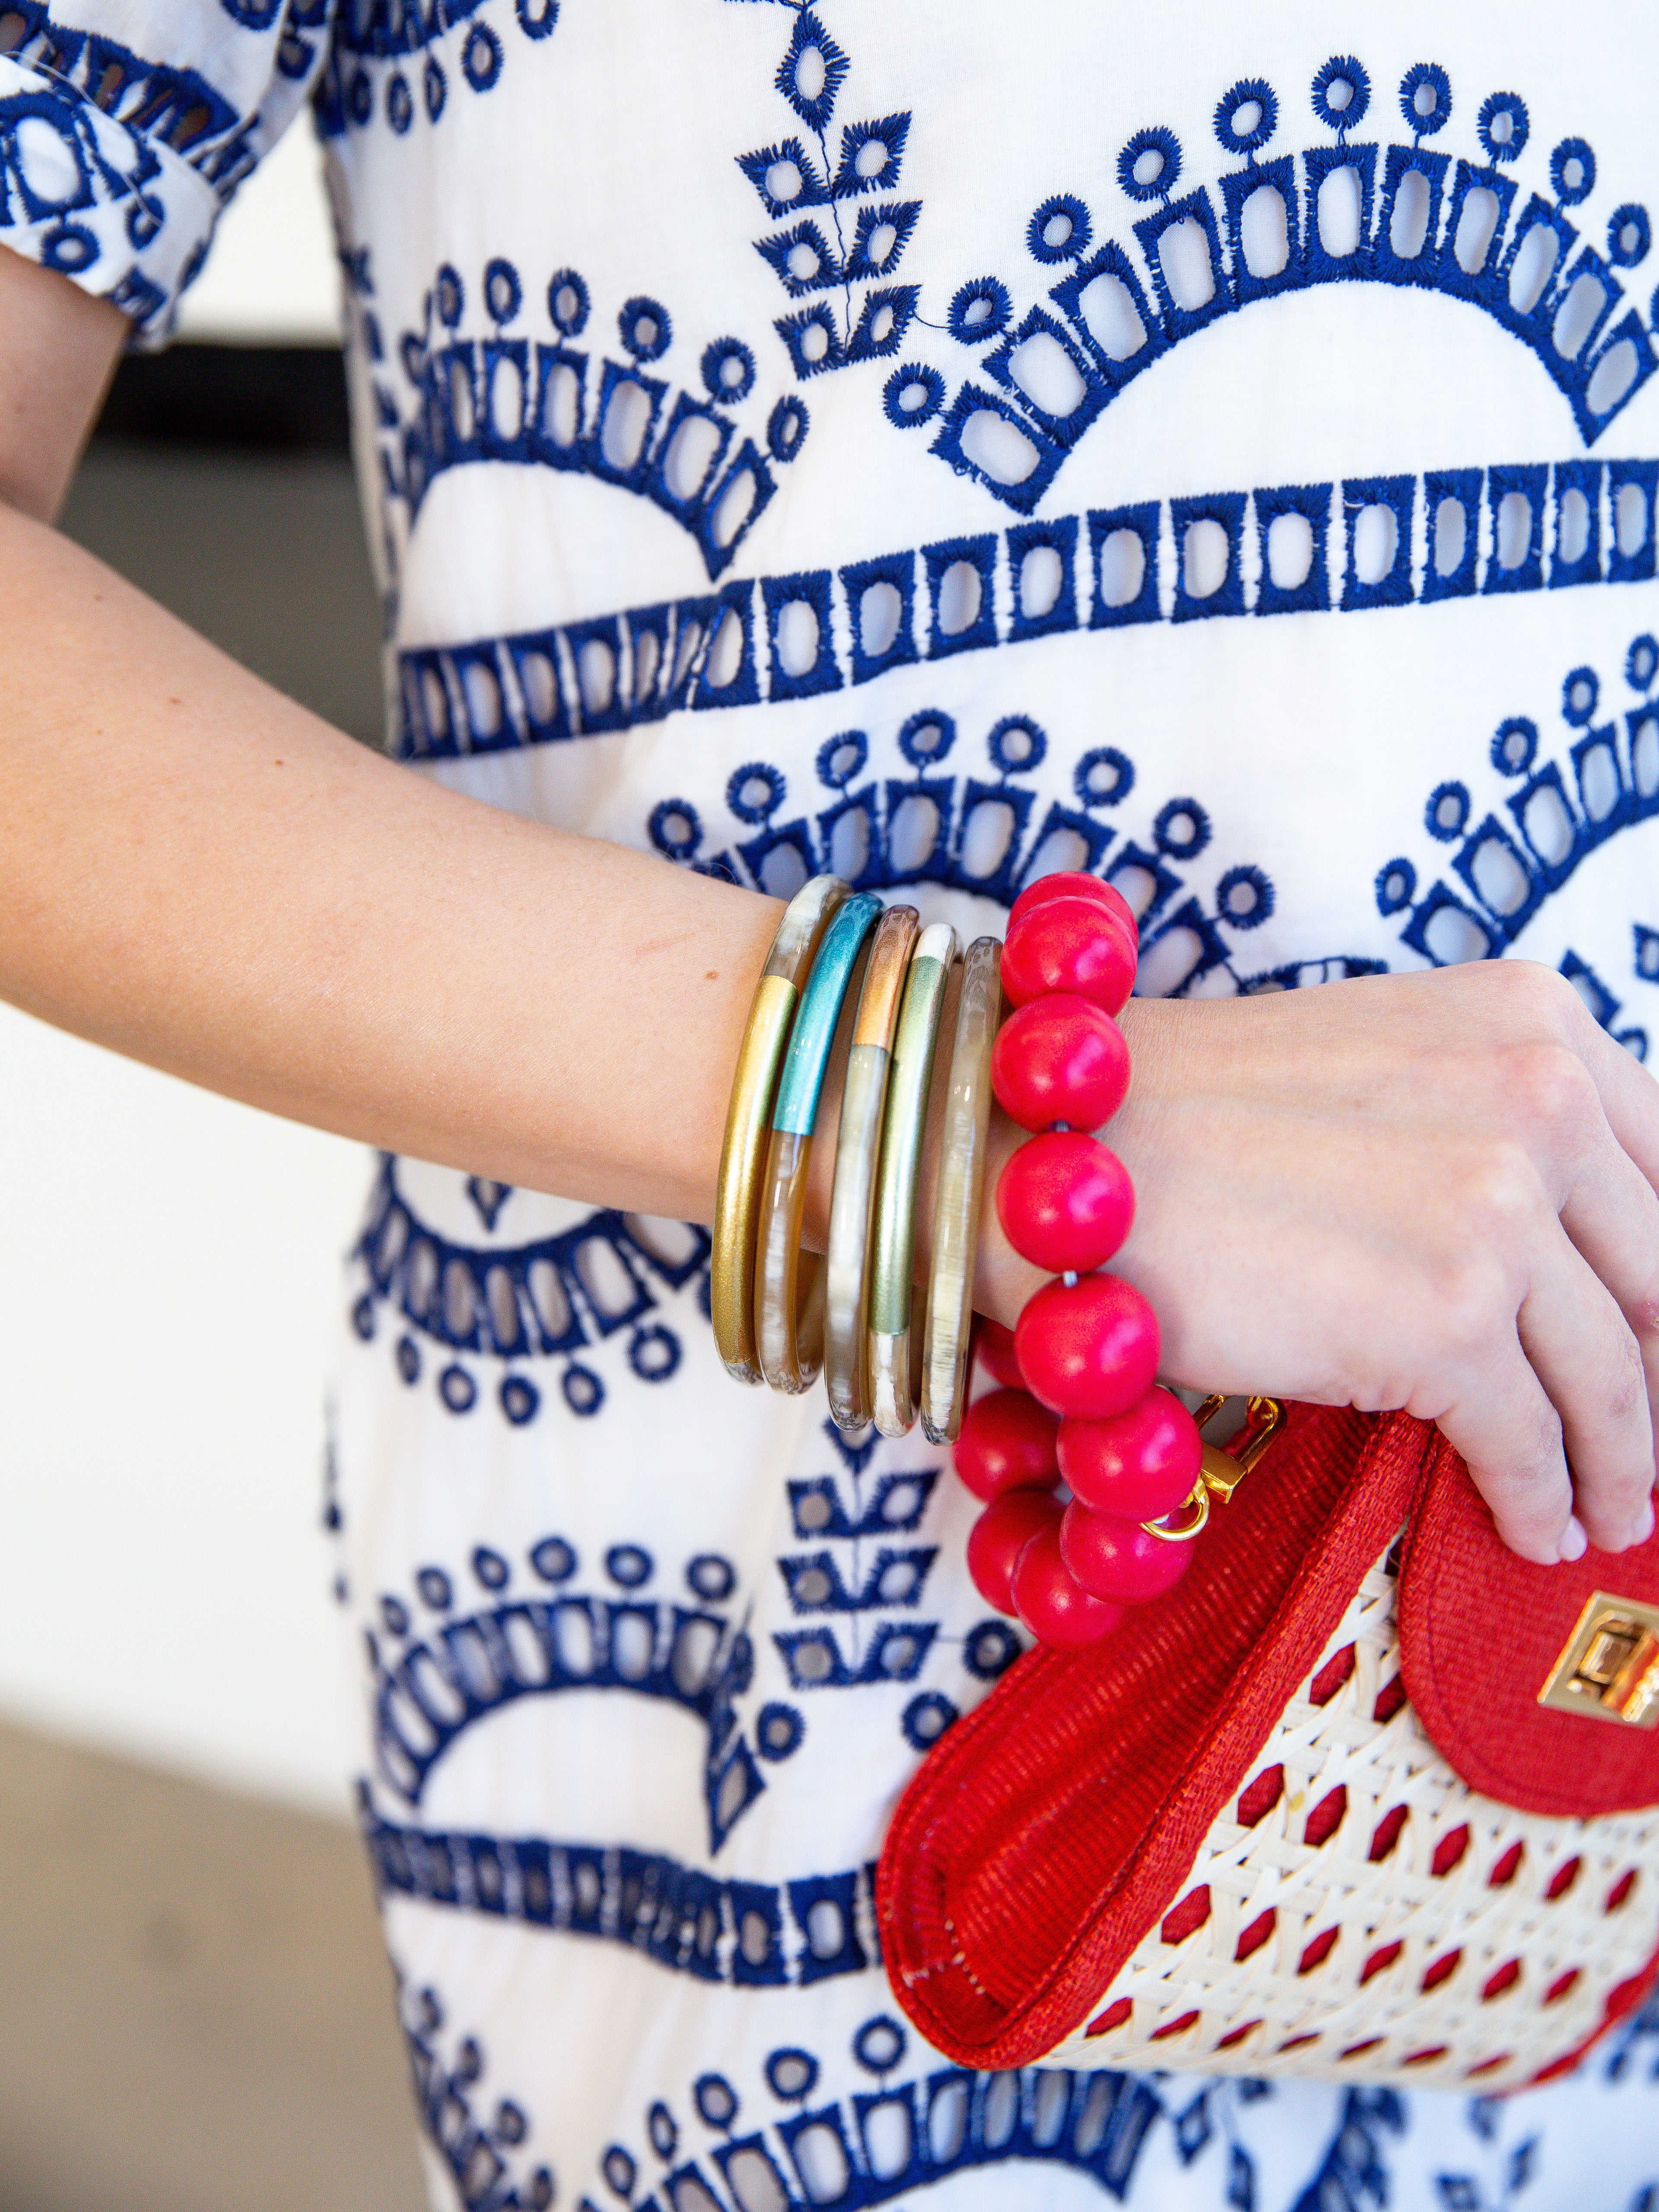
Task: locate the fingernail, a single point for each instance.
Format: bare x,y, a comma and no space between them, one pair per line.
1574,1543
1644,1528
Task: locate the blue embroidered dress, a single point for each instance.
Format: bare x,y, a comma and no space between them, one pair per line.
939,445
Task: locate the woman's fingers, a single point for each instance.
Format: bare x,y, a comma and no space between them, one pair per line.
1549,1404
1590,1320
1630,1096
1561,1109
1612,1216
1506,1431
1589,1365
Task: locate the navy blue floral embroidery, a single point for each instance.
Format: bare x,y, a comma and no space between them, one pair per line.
746,1934
434,1681
377,42
553,1299
509,397
983,833
786,2145
869,237
474,2144
176,108
641,665
1425,218
1353,2172
1558,813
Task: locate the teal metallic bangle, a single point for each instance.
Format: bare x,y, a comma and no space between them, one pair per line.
892,1383
749,1120
788,1287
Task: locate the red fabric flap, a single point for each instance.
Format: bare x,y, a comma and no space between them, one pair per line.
1054,1825
1480,1630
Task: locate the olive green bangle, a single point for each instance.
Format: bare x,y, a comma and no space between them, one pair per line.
892,1384
789,1286
748,1120
961,1191
852,1205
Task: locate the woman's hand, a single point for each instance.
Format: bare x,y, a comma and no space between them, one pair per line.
1434,1192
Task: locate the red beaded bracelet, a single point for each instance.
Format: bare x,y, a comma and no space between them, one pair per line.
1080,1402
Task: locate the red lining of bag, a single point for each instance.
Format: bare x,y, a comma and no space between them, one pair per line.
1256,1802
1319,1950
1253,1937
1386,1834
1450,1851
1507,1868
1188,1916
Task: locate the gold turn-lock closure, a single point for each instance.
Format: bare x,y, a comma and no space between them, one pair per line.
1222,1471
1609,1670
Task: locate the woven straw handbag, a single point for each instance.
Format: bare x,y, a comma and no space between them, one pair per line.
1347,1803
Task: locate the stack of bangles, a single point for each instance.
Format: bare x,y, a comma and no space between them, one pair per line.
1078,1404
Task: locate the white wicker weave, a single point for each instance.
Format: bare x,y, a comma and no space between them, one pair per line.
1548,1960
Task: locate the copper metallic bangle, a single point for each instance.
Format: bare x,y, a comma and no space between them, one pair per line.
749,1117
961,1191
891,1382
789,1286
851,1206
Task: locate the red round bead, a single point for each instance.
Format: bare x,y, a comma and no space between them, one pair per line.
1000,1535
1007,1443
1059,1060
994,1348
1067,883
1140,1466
1065,1202
1052,1603
1118,1559
1089,1348
1069,945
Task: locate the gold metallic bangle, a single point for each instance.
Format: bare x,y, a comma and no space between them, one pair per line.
748,1118
788,1284
961,1189
892,1384
852,1205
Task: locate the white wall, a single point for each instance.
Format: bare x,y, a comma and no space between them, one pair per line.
172,1276
272,277
171,1273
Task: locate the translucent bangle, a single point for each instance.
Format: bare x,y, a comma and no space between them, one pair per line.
852,1206
960,1188
748,1120
788,1289
891,1384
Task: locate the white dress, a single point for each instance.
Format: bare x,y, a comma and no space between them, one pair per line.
939,444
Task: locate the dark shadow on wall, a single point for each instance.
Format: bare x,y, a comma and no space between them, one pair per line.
219,481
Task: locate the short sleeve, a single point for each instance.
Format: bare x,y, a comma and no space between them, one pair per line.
124,131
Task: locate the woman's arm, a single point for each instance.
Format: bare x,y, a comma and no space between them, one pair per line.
196,871
1431,1191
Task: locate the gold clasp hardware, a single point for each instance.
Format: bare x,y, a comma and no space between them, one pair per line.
1609,1670
1222,1472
